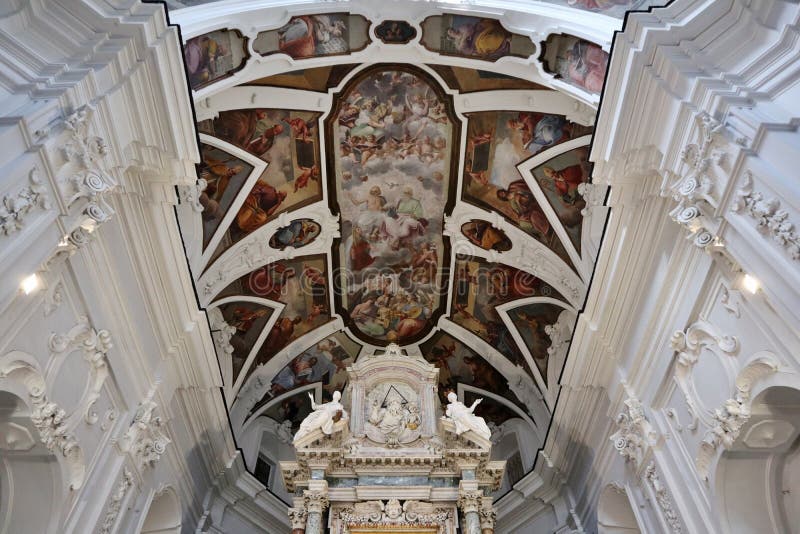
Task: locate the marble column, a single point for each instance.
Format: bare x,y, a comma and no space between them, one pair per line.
469,502
316,502
487,515
298,518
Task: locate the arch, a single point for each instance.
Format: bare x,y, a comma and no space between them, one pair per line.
31,483
164,514
765,457
615,514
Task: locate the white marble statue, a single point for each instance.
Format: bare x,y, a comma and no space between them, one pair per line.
323,416
464,419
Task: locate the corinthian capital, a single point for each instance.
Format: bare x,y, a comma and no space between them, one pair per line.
315,501
469,500
298,518
487,514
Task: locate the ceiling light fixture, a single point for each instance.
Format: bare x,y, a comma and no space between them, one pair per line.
750,283
30,284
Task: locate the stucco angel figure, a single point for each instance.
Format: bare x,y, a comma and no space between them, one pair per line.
463,417
323,417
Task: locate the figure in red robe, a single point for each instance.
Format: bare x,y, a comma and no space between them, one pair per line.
522,201
360,257
565,181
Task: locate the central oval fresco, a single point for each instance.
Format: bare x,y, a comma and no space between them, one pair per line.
391,157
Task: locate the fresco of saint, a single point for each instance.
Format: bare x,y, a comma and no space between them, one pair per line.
301,285
497,142
289,142
473,37
308,36
576,61
214,55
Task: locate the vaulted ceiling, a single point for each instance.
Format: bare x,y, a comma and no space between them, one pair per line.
420,180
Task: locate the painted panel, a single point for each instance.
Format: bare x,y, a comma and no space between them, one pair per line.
479,286
559,178
395,31
289,142
473,37
325,362
302,285
498,141
213,56
225,175
249,320
393,157
531,321
309,36
576,61
297,234
482,234
459,364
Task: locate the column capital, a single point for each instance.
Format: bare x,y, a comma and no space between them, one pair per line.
469,500
315,501
297,516
487,514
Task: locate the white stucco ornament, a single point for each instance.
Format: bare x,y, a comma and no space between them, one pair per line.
464,419
323,417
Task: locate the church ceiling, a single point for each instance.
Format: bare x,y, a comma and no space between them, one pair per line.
440,200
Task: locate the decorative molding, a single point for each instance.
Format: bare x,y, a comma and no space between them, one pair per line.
190,194
469,501
634,435
487,514
410,513
49,419
663,499
221,334
695,191
770,219
14,208
593,194
297,516
315,501
735,412
95,345
145,437
53,298
85,153
114,507
688,344
730,300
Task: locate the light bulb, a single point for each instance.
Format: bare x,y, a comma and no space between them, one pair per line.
30,284
750,283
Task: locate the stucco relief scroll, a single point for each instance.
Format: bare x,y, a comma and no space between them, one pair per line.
635,435
730,418
48,417
771,220
688,345
95,345
696,191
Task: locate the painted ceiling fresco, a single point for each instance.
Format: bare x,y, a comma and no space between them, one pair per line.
392,142
344,206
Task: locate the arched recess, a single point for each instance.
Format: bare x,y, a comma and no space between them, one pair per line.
163,515
614,512
30,475
758,476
